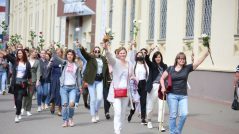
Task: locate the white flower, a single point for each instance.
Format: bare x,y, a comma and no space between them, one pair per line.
134,21
107,30
204,35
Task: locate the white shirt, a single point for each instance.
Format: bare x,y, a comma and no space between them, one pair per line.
70,74
99,65
140,72
21,69
32,62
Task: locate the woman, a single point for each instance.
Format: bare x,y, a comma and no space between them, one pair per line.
156,69
3,74
20,78
177,98
95,72
35,72
141,73
55,68
70,82
122,72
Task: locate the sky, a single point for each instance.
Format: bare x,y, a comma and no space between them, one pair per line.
2,2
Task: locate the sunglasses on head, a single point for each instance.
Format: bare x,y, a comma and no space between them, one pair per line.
96,51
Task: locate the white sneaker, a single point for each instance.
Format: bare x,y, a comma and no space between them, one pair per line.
76,105
16,119
93,119
163,129
46,106
97,118
29,113
19,117
150,125
39,109
14,107
22,111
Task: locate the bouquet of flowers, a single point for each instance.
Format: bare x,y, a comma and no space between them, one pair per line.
41,41
4,27
206,39
108,36
14,40
135,28
33,36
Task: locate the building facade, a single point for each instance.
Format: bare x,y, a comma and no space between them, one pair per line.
174,26
48,17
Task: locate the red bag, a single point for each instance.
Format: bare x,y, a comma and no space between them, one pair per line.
120,92
168,86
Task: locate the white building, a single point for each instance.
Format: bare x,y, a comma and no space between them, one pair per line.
171,24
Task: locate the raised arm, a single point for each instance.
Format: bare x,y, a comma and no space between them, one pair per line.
9,57
85,54
109,55
79,54
200,60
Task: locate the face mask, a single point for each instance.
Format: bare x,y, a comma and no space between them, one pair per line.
140,58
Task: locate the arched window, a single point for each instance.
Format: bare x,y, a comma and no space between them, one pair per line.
151,19
123,21
206,19
190,18
132,17
163,19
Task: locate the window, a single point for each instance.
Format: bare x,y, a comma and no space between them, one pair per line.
163,19
123,21
132,17
238,17
111,14
151,19
190,18
206,19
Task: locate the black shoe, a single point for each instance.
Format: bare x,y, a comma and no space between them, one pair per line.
130,117
107,116
143,122
87,106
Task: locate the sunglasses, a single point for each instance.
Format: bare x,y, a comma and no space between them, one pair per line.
96,51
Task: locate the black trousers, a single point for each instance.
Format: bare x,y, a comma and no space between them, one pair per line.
106,102
143,97
18,97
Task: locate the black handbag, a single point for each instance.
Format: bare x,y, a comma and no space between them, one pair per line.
235,103
99,77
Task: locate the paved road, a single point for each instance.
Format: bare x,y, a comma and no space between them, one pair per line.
206,117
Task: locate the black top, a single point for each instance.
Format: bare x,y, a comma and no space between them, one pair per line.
179,79
154,71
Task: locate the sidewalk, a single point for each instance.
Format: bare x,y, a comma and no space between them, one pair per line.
205,117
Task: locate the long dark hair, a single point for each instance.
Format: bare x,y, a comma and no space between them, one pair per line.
164,66
24,56
145,67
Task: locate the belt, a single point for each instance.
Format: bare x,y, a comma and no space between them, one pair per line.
70,85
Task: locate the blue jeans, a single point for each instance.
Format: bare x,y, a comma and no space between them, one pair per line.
96,96
43,93
68,97
177,103
77,96
3,78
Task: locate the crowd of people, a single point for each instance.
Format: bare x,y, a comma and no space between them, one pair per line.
126,77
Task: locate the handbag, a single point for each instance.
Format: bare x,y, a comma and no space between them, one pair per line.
235,103
99,77
121,92
168,85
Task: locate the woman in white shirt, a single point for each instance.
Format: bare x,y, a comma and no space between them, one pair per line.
122,72
141,72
